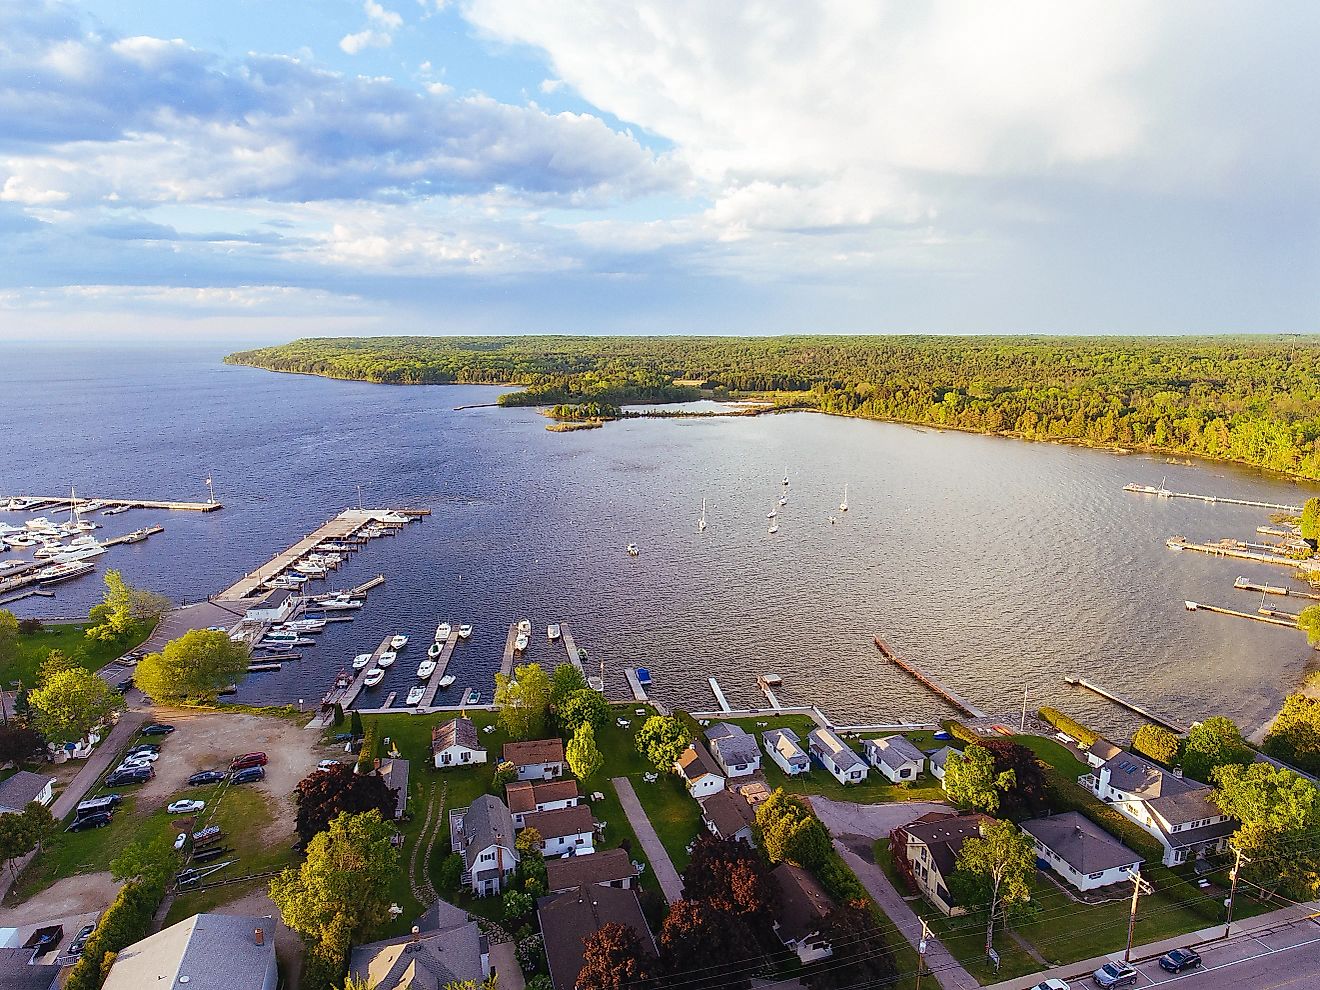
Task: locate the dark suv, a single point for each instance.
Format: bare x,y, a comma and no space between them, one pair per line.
1179,960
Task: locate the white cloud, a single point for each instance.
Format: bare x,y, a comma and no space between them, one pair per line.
551,85
380,32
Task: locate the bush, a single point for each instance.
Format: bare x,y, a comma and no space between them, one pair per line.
839,881
29,625
451,873
366,760
960,732
1069,727
1157,743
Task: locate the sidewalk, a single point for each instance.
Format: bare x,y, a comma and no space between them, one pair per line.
670,883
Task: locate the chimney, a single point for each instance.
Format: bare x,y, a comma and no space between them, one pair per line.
377,764
415,943
259,936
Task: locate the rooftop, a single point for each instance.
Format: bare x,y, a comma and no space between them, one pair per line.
568,918
944,834
1139,776
828,741
696,763
728,812
455,732
214,952
16,973
395,774
21,789
486,823
431,961
525,795
1081,843
785,742
534,751
600,867
573,820
894,751
803,903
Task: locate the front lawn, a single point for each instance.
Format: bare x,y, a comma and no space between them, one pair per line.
32,649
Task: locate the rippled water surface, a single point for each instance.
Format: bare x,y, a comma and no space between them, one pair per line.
997,565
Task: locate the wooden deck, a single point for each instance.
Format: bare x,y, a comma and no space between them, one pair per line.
132,537
566,638
638,692
441,664
719,695
506,666
1130,706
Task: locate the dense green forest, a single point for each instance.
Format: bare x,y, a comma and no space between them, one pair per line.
1249,399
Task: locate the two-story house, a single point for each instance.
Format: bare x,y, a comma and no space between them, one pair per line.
483,835
699,771
536,759
734,749
526,797
930,847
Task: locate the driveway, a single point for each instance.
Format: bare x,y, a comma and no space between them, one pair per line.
871,821
670,883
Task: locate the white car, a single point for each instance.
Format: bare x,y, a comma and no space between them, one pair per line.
1052,985
180,840
327,765
143,756
185,807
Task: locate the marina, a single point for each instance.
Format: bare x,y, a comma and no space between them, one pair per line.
1162,492
1235,549
441,665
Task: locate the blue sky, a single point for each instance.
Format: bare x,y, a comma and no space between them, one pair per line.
258,169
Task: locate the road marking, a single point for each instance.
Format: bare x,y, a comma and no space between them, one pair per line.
1236,962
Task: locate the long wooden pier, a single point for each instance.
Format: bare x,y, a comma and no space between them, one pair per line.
137,536
567,638
441,664
638,692
1214,499
1232,549
64,502
1130,706
950,696
1253,616
719,695
1243,584
506,665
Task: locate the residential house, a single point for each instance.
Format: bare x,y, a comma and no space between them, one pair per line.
18,971
1176,810
567,919
20,790
205,952
699,771
455,744
734,749
1081,851
1100,752
395,774
483,833
784,747
607,867
275,607
834,755
803,908
528,796
728,815
938,761
569,830
895,757
930,847
537,759
449,953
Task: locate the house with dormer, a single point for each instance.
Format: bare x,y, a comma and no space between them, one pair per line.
483,835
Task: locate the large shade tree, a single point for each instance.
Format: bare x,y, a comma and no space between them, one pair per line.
71,703
614,957
1279,817
524,701
994,870
324,795
662,739
198,665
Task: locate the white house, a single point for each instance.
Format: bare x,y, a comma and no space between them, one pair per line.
784,747
1176,810
699,771
455,744
895,757
230,950
1081,851
526,797
20,790
803,909
728,815
835,756
537,759
483,834
939,760
275,607
734,749
564,830
1100,752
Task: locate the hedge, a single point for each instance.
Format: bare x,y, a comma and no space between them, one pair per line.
126,920
961,732
1066,795
1069,727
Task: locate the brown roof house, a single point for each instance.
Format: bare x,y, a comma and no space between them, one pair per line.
564,831
729,816
803,908
528,796
608,867
455,744
699,771
568,918
930,846
536,759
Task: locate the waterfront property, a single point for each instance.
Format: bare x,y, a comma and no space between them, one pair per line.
1101,751
1080,851
939,761
699,771
606,867
930,847
895,757
395,774
536,759
206,952
1178,811
526,797
452,952
22,788
785,749
567,919
455,744
803,907
835,756
734,749
277,606
483,834
564,831
728,815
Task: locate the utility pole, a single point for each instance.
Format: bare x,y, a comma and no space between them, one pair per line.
1232,889
921,950
1139,887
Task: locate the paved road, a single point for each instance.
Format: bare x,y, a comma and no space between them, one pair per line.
670,883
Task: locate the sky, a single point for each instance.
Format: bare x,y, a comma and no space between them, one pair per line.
266,169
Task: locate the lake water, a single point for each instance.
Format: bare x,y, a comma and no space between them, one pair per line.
995,564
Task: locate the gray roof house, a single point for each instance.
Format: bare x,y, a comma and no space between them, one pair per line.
207,952
17,972
784,747
734,749
729,816
424,960
20,790
1080,851
895,757
1100,751
483,833
939,759
395,774
836,756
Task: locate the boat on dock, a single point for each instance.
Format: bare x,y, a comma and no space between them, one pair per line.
435,649
63,572
339,603
398,642
361,660
374,677
464,631
520,643
552,631
445,681
115,510
442,632
387,658
643,677
426,669
415,695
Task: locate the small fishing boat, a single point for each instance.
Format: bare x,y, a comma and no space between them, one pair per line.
426,669
398,642
774,527
416,694
442,632
361,660
783,500
445,681
387,658
520,643
596,684
833,520
552,631
435,649
525,627
633,550
281,636
464,632
341,603
785,477
843,506
772,513
374,677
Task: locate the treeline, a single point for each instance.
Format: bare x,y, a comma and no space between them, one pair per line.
581,411
1250,399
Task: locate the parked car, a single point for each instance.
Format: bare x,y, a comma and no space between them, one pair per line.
132,775
249,774
142,756
207,777
124,686
1114,974
158,729
99,820
145,748
80,940
1052,985
248,760
328,765
180,841
91,806
1179,960
185,807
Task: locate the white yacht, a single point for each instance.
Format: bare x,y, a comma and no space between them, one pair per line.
520,643
310,569
281,636
20,541
445,681
361,660
525,627
416,694
48,550
374,677
398,642
39,523
115,510
305,625
464,631
442,632
340,603
79,551
92,506
552,631
435,649
633,550
387,658
425,669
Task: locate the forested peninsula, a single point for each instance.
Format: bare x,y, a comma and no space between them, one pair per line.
1255,400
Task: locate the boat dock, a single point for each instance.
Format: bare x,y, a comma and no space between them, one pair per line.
1242,584
719,695
1123,702
354,689
767,683
1255,617
1214,499
570,646
137,536
470,697
506,665
953,698
366,586
65,502
1231,548
638,692
441,663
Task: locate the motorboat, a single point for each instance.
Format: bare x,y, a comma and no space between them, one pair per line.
772,513
85,526
701,523
416,694
525,627
137,536
281,636
374,677
520,643
20,541
39,523
833,520
783,500
115,510
398,642
445,681
435,649
340,603
95,505
633,549
305,625
426,669
311,569
63,571
442,632
361,660
552,631
387,658
464,632
643,676
48,550
74,552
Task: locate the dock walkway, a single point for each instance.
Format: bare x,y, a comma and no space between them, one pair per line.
354,689
137,536
1244,584
441,664
638,692
1265,615
1130,706
719,695
1213,499
570,646
63,502
952,697
506,665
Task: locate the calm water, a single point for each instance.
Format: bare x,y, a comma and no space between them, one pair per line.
996,564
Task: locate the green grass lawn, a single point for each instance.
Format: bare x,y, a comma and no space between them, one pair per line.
32,649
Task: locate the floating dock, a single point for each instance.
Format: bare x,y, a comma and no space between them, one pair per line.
1119,700
950,696
1255,617
354,689
1242,584
137,536
1231,548
1214,499
638,692
506,665
65,502
470,697
767,683
441,664
366,586
570,646
719,695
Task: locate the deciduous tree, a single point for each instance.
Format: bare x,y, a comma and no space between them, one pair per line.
1157,743
524,701
583,756
324,795
56,662
698,945
8,638
1311,520
1279,816
1309,622
995,870
614,958
1027,796
114,616
1295,735
1212,744
18,743
566,681
198,665
17,839
662,739
973,783
790,832
72,703
732,877
582,706
861,958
